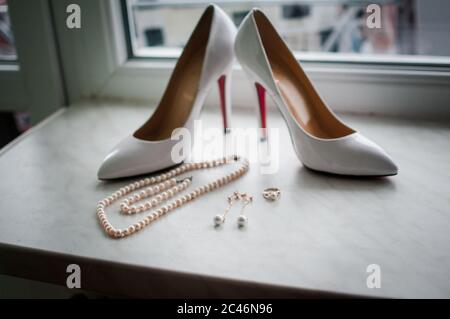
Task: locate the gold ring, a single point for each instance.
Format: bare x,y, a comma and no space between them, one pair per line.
271,193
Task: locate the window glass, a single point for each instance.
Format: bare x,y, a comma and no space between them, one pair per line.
160,28
7,48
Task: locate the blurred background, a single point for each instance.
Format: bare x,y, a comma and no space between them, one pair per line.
11,123
409,27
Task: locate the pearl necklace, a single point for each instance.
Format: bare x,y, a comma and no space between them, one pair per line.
166,187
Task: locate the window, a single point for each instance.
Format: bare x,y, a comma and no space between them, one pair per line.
28,57
410,29
126,50
7,47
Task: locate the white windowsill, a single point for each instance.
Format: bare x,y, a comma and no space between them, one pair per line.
322,233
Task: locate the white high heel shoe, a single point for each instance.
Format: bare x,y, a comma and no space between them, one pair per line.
321,141
207,57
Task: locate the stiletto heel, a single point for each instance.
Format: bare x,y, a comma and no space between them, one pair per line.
261,95
207,57
224,84
321,141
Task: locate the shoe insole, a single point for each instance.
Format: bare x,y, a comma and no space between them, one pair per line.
298,93
180,94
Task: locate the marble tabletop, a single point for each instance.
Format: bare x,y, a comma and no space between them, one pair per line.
318,239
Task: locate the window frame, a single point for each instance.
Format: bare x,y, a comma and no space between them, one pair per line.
13,90
13,97
96,64
323,57
37,59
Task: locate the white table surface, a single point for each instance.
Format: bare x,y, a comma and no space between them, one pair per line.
320,236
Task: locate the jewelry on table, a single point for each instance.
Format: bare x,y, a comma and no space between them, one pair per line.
242,219
166,187
220,219
272,193
235,197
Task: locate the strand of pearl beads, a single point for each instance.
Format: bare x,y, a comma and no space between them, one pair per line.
166,187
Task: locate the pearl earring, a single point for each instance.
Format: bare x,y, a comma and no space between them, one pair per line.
242,219
220,219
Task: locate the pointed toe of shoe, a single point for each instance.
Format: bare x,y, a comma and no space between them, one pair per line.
111,167
118,163
384,165
376,163
353,155
133,157
369,159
